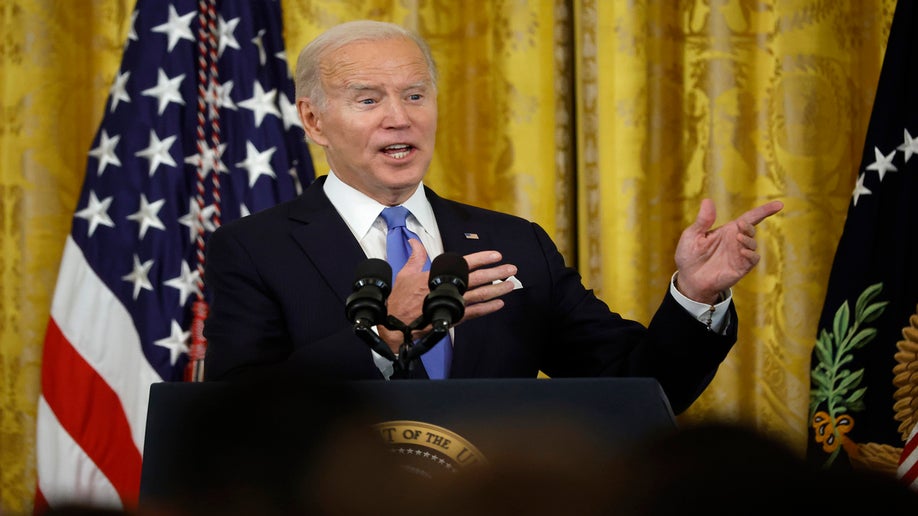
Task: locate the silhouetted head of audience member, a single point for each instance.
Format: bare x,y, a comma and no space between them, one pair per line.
723,468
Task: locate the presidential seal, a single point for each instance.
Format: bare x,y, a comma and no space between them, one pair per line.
430,451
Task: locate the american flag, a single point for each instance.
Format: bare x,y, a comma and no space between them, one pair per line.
200,127
864,370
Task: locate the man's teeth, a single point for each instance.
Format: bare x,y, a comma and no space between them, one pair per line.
397,151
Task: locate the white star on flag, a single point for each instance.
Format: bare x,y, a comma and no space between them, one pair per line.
105,152
178,27
257,163
883,163
261,103
166,90
146,215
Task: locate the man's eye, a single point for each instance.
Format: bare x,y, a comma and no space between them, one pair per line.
366,102
416,96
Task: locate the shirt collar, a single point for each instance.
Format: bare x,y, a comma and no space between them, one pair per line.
360,211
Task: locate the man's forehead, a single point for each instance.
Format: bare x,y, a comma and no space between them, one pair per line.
366,65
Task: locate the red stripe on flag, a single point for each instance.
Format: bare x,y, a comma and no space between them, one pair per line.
910,446
910,476
90,411
40,504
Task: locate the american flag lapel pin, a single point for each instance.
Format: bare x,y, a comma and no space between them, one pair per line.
471,236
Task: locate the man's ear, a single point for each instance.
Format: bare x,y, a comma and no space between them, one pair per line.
309,117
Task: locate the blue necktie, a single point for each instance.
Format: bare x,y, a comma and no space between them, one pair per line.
437,359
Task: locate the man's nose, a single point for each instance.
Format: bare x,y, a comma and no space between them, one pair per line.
397,115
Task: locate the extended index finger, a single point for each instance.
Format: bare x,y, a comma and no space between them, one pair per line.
760,213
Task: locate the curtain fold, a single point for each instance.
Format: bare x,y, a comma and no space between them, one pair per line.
606,122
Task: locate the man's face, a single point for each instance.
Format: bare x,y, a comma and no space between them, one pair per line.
380,121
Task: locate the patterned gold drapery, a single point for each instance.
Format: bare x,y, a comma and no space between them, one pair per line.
741,102
605,121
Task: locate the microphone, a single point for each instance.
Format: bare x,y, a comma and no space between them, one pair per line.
367,305
449,277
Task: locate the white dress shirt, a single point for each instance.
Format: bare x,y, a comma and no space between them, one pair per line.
361,214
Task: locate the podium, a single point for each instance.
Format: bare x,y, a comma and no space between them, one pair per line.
205,440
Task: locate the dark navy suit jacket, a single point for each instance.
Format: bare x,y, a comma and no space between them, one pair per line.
277,282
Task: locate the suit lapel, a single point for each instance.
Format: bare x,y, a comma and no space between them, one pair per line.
463,233
460,232
325,239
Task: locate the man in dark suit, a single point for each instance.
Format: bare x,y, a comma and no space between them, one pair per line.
278,279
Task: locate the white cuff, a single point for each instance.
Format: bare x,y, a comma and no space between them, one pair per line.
712,316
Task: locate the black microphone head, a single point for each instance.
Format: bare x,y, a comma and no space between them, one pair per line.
367,304
374,271
449,268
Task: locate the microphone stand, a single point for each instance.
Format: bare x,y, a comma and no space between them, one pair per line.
409,351
366,308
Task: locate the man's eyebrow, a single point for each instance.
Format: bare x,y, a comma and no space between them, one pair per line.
361,86
358,87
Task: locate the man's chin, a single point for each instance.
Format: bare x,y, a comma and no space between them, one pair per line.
403,178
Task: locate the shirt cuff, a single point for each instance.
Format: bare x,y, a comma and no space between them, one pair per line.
712,316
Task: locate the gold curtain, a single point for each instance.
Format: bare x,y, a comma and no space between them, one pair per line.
742,102
605,121
57,61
